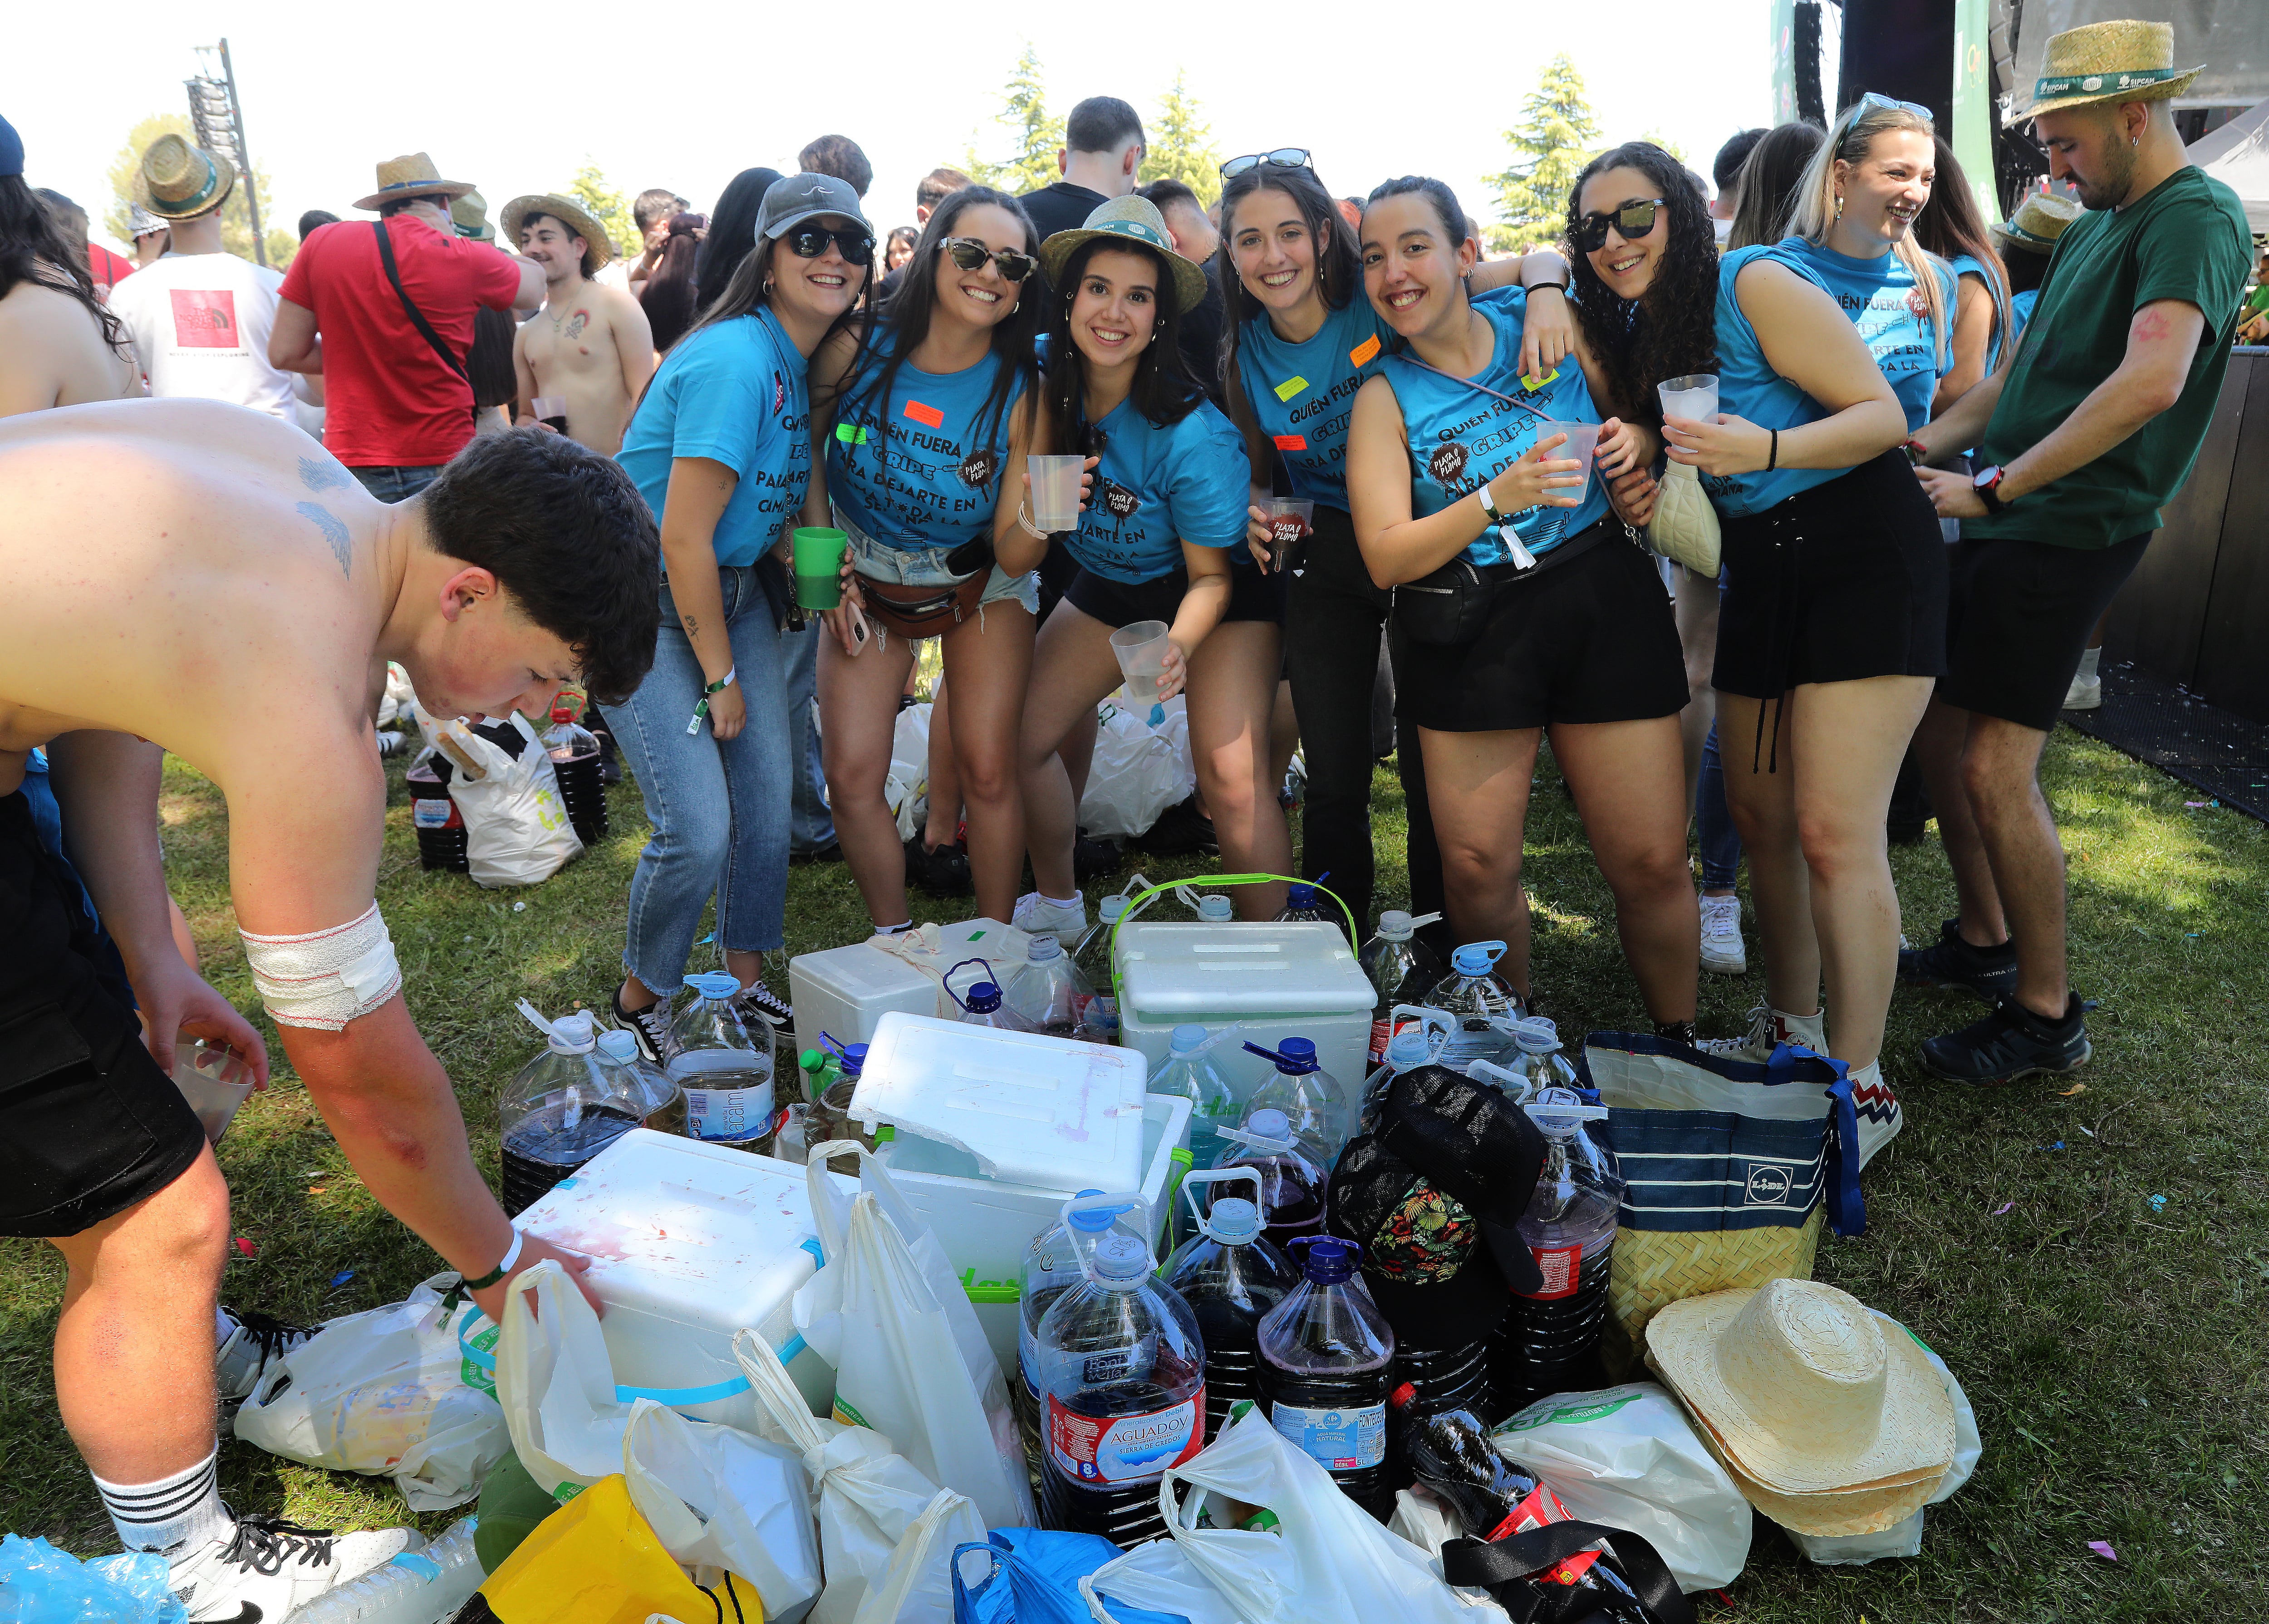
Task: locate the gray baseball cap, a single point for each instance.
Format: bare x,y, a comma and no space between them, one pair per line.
793,199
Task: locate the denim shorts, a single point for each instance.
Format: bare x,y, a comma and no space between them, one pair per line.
926,566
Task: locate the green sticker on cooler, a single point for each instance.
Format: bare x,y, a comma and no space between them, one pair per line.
850,433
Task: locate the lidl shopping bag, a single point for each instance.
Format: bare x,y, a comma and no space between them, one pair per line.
1729,1166
516,827
594,1560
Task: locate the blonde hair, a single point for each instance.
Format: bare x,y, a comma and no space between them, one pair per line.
1813,211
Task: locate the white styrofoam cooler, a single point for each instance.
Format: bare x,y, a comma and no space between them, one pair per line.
844,992
1277,980
689,1242
992,1132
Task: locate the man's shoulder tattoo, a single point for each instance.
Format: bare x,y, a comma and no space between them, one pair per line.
333,532
324,474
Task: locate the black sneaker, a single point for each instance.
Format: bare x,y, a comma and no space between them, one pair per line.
650,1026
941,870
1990,973
254,1342
2011,1043
768,1004
1180,828
1091,857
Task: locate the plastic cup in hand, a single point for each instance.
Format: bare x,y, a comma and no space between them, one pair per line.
214,1080
819,566
1693,397
1142,651
1582,439
551,410
1291,521
1055,492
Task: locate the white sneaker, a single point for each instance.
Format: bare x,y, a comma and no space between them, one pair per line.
255,1342
1036,916
1721,936
1768,1028
2085,694
1877,1109
259,1569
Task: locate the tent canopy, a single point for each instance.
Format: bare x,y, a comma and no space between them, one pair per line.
2230,36
2237,155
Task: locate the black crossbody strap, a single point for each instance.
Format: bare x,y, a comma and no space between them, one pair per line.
417,316
1500,1561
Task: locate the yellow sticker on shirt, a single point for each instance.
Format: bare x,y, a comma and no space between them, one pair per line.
1364,350
1533,384
1290,390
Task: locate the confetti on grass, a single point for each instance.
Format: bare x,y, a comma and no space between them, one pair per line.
244,1246
2004,1207
2102,1547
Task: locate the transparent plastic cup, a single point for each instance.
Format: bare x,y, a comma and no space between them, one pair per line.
1291,521
1142,651
1055,492
1693,397
552,410
214,1080
1582,439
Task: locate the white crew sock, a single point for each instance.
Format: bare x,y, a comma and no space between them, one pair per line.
2087,659
176,1513
224,1327
1075,899
894,930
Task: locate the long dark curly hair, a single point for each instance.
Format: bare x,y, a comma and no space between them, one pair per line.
34,249
1671,329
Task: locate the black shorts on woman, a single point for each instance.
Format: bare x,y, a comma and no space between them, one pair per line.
1252,595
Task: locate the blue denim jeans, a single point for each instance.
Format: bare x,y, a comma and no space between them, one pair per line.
811,825
1713,825
720,809
397,485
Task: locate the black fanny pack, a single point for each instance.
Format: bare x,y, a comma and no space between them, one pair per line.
1449,606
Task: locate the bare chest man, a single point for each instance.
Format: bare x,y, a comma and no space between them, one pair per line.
591,348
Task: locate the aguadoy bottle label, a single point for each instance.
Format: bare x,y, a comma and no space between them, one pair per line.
741,1109
1101,1451
1338,1440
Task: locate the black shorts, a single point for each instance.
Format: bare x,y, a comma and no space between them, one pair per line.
1057,567
2020,613
1844,581
1252,597
1590,641
93,1125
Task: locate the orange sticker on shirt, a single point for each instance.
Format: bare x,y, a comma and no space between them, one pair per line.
1364,350
1291,442
929,415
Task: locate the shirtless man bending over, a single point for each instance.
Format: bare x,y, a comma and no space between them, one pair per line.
590,344
230,562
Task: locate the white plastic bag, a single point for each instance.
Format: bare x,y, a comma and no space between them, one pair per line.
910,1360
516,827
1139,771
868,1497
716,1496
1627,1457
1421,1517
557,1383
905,787
917,1587
383,1393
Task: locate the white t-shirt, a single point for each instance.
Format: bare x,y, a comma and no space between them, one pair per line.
200,324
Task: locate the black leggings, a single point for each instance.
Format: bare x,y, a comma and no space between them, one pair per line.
1332,622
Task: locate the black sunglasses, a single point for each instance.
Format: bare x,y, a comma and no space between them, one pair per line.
968,254
809,242
1633,221
1284,158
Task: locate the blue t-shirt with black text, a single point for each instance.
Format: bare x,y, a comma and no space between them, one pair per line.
1157,488
733,393
1966,265
1891,312
1303,394
923,467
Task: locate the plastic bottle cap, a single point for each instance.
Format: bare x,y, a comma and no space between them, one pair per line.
1119,1258
854,1059
1299,896
1536,1035
1271,1125
619,1046
1474,958
571,1034
1394,925
1189,1036
1296,1056
1215,908
1330,1259
1234,1220
1094,1220
1403,1393
1044,948
1110,908
984,998
563,714
714,984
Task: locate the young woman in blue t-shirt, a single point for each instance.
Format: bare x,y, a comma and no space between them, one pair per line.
720,448
917,420
1454,471
1829,347
1171,485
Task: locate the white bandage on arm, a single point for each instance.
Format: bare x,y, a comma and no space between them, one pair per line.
325,979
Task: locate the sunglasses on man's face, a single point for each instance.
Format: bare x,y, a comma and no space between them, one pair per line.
1633,221
968,254
809,242
1282,158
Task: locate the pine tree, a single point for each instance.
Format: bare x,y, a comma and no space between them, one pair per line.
1038,136
235,214
603,204
1550,148
1182,147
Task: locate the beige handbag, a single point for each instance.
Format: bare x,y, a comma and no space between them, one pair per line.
1684,528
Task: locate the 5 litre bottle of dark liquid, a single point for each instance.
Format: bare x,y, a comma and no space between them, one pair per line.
1326,1365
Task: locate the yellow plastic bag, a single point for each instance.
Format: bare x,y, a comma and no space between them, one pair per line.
594,1560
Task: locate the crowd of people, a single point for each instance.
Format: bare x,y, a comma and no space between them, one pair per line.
1939,450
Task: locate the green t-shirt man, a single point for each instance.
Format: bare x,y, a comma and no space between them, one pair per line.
2185,239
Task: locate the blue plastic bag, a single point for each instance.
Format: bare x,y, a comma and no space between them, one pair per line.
40,1584
1043,1567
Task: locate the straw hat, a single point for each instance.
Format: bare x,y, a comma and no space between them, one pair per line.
2038,222
601,246
1804,1391
469,214
1135,219
2110,61
1828,1516
178,181
411,175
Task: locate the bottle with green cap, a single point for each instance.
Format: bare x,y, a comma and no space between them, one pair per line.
723,1059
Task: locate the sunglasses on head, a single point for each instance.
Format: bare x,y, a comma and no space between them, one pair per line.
1633,220
1284,158
1871,101
968,254
809,242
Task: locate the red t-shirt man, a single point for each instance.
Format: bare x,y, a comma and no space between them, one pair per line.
107,269
391,402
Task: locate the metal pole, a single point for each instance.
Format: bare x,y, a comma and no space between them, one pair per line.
251,187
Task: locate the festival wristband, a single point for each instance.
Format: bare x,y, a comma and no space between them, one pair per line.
503,1268
1488,503
732,675
701,705
1915,453
1030,527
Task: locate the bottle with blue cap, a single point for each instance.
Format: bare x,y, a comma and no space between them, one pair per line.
1188,1072
1302,904
1484,1005
562,1108
1326,1367
1421,1035
1231,1277
1052,1267
1122,1374
1048,989
1549,1341
721,1055
1310,1096
1294,1177
983,1004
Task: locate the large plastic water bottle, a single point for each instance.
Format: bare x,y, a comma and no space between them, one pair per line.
1188,1072
1548,1341
1123,1373
562,1108
1051,1268
1302,906
417,1587
1401,970
1310,1096
1230,1278
721,1056
1294,1179
1048,989
1420,1035
641,1080
983,1005
1093,953
1327,1358
1485,1007
1540,1057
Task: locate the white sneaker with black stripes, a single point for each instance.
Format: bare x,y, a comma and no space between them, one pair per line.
260,1570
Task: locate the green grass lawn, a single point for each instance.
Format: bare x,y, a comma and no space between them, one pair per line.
2112,1346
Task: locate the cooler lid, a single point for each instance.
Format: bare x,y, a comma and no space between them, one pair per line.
1191,968
1042,1111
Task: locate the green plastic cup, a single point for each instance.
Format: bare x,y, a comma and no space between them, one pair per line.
819,566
